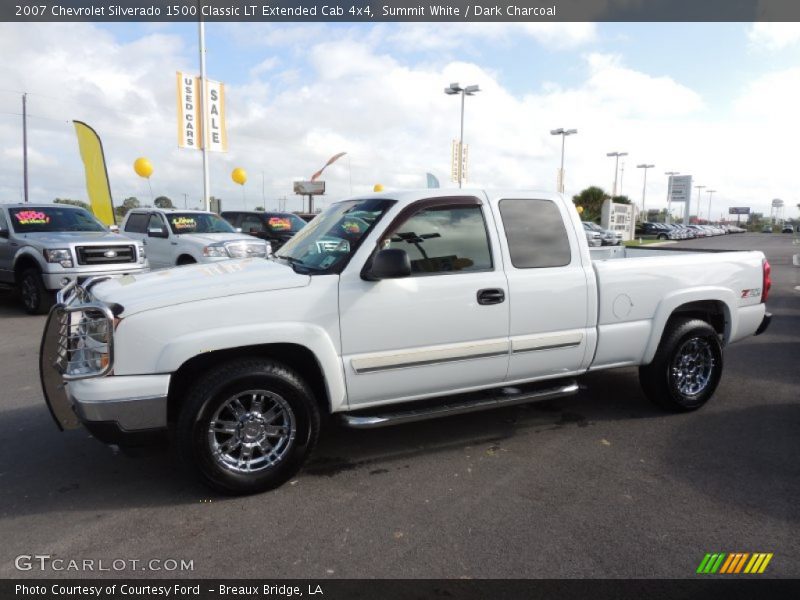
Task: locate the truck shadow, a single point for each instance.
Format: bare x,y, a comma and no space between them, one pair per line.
45,470
342,449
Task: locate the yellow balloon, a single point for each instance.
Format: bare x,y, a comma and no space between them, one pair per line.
239,176
378,187
580,210
143,167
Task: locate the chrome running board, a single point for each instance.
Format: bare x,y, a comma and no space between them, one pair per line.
461,404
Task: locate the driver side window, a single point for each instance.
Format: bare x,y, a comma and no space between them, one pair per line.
445,240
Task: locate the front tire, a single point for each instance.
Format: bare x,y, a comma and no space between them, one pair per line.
687,366
248,426
35,298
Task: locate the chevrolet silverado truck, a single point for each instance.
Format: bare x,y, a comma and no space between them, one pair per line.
386,309
43,247
184,237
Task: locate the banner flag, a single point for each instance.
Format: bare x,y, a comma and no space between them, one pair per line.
433,182
94,163
331,160
188,121
190,126
215,117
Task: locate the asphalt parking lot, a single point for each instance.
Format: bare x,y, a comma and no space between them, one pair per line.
597,485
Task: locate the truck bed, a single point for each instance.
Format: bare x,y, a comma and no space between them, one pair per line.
636,295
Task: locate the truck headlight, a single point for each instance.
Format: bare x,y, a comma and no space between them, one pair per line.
216,251
61,256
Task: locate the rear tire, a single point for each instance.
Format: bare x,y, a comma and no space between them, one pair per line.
248,426
36,299
686,368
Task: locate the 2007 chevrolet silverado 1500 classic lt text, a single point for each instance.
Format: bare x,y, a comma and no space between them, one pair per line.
386,309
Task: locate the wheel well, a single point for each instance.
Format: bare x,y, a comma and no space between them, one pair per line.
712,312
299,358
23,264
185,258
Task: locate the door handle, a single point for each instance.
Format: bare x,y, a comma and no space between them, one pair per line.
491,296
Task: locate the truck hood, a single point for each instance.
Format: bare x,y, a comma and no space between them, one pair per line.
52,238
192,283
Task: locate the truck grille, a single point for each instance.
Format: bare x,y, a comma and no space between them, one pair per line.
105,255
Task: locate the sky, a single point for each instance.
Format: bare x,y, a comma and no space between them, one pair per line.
718,101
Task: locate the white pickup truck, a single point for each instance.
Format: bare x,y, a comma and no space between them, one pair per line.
385,309
184,237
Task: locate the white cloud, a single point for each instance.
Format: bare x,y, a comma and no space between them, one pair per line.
773,36
341,92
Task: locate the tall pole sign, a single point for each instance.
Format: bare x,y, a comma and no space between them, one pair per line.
201,114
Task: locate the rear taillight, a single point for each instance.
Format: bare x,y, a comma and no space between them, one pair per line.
766,283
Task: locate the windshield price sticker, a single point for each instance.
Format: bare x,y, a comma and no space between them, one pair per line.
32,217
351,227
280,223
184,223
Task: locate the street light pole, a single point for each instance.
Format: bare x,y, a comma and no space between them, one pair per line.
469,90
616,155
669,174
698,188
563,133
644,187
709,203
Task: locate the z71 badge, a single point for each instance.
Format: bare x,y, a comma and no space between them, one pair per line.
751,293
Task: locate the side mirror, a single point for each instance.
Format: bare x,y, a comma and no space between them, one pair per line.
156,232
4,233
391,263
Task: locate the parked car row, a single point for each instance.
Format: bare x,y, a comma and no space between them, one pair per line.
44,247
677,231
607,236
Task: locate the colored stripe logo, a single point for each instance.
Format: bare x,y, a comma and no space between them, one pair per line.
734,563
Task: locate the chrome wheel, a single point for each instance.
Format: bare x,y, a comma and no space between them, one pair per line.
252,431
693,366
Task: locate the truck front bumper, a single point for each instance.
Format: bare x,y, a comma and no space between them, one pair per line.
127,411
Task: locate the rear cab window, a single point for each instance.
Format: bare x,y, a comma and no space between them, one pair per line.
536,234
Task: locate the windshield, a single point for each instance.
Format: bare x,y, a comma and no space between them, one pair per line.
285,223
198,223
333,237
52,219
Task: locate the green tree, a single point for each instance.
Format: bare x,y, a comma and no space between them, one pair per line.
163,202
591,199
127,204
72,203
259,208
755,221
